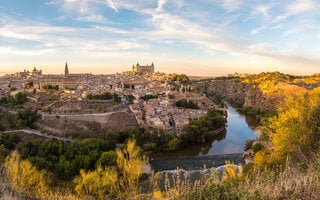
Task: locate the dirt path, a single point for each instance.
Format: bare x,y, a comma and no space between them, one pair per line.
36,132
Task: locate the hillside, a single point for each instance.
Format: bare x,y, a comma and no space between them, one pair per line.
261,92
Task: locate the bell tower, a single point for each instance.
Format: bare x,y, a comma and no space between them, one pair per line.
66,69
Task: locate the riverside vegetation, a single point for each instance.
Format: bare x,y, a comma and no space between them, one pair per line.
286,162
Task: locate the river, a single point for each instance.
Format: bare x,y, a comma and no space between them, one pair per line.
239,128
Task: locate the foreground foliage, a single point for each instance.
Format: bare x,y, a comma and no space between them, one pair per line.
293,132
121,181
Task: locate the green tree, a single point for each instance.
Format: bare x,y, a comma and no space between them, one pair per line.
173,144
21,97
108,158
28,116
29,85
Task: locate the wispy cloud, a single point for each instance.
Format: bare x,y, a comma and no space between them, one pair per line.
111,5
232,29
263,10
85,10
25,52
161,3
92,18
295,8
231,5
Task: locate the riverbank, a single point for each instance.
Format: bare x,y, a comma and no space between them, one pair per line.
239,129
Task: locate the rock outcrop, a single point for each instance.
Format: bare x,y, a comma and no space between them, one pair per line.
249,95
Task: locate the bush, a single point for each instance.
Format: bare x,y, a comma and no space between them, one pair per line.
183,103
148,96
248,144
108,158
173,144
257,147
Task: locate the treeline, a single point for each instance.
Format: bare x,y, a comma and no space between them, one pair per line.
122,180
184,103
202,130
65,160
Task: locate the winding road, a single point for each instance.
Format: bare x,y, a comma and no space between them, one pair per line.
38,133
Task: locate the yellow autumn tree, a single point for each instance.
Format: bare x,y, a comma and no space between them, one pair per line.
97,183
131,163
294,130
122,181
26,178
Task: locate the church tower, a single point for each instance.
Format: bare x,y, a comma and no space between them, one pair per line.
66,69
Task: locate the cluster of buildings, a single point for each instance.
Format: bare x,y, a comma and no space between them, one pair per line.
163,114
159,112
66,81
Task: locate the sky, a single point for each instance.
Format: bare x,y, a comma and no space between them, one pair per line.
195,37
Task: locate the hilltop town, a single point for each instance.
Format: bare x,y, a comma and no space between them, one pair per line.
141,97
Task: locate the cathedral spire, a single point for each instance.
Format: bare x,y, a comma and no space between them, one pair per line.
66,69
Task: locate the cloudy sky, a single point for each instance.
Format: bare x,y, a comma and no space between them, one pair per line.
197,37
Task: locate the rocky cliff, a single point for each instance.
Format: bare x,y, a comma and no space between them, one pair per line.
250,95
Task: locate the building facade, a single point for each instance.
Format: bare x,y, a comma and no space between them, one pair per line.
63,82
143,69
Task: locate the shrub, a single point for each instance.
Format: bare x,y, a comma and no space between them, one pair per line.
257,147
248,144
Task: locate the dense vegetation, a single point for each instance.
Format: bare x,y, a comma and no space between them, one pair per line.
203,129
65,160
121,180
294,132
23,118
184,103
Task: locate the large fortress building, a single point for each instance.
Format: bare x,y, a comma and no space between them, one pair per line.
143,69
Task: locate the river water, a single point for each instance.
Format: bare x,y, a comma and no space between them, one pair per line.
240,128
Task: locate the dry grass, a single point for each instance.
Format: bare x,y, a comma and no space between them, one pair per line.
296,182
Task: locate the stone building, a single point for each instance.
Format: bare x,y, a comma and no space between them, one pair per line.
62,81
28,74
143,69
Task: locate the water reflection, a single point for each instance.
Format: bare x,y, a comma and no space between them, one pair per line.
239,129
